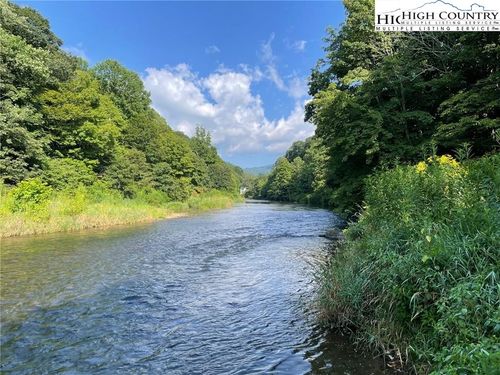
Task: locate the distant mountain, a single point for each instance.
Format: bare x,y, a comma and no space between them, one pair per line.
259,171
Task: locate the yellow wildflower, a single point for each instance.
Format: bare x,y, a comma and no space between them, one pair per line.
447,160
421,167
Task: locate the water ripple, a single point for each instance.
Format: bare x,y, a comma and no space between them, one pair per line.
228,292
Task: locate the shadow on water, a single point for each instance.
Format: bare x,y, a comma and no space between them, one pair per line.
228,292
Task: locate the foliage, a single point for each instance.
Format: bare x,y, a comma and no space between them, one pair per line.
74,126
219,175
23,69
21,150
63,173
73,201
223,177
472,115
176,187
31,195
99,206
300,176
419,271
84,123
201,144
128,171
384,98
125,87
152,196
30,61
278,184
418,275
28,24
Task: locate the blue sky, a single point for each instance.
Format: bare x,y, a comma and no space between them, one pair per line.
237,68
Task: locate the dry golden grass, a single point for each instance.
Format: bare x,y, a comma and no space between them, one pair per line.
62,215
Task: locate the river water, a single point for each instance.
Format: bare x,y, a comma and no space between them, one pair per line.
228,292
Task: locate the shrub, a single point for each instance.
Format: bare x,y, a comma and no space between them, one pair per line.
31,195
68,173
152,196
101,191
128,171
176,188
418,272
74,201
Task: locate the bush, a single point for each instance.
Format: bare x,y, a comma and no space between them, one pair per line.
152,196
418,273
176,188
101,191
128,171
31,195
74,201
67,173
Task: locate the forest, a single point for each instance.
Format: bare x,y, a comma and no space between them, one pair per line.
72,136
406,147
386,99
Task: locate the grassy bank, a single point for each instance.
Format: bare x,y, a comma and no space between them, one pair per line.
418,276
37,209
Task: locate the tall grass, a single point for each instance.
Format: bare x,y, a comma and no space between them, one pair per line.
91,207
418,277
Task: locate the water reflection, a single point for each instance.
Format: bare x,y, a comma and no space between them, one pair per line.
228,292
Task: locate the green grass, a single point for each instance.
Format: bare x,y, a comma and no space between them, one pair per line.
92,207
418,277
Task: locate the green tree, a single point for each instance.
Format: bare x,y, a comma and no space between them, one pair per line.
385,98
165,179
84,123
472,116
149,133
124,86
297,150
220,175
28,24
299,184
278,184
62,173
30,61
223,177
128,171
201,144
23,72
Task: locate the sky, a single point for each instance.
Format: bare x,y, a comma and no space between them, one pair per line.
239,69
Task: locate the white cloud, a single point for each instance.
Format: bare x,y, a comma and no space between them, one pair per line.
223,103
296,45
294,86
297,87
177,90
212,49
77,51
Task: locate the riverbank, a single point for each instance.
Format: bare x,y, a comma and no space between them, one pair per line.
417,277
82,209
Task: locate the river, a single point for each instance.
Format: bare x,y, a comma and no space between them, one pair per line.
227,292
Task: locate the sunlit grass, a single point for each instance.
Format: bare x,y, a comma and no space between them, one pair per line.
77,210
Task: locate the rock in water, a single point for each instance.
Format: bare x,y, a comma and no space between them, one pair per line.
334,234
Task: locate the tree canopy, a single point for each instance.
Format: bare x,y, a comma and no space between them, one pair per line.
381,99
60,119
